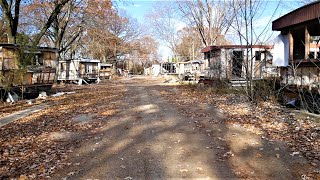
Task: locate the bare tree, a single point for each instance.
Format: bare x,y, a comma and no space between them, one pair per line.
106,32
211,18
143,52
164,22
189,45
65,29
249,12
11,13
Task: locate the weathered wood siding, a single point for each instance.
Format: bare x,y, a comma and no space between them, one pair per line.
13,75
302,76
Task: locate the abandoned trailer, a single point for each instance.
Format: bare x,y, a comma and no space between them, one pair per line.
183,70
191,70
106,71
78,70
26,70
234,62
297,46
297,54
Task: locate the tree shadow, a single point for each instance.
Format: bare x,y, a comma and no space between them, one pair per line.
145,144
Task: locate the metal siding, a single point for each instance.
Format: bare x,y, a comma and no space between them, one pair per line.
303,14
210,48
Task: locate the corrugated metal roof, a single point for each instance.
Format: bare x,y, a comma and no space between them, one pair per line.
209,48
303,14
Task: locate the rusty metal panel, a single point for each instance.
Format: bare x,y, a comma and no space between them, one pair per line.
300,15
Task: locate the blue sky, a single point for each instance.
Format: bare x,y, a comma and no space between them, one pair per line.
138,9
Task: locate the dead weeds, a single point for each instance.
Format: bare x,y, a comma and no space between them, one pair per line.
267,119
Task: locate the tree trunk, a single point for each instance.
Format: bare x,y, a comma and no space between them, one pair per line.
12,21
51,19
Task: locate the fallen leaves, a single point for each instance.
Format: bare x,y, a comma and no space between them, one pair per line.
269,120
36,146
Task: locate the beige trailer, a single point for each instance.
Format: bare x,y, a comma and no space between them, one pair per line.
27,69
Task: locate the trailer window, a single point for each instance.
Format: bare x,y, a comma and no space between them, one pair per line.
38,58
258,55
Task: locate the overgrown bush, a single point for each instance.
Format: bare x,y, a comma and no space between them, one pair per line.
264,89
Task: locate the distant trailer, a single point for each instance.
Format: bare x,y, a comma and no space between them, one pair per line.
27,70
105,71
79,69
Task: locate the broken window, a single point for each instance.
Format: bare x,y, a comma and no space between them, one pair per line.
312,36
314,47
169,67
62,66
258,55
237,60
38,58
88,68
298,43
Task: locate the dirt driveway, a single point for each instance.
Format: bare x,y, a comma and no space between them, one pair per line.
149,138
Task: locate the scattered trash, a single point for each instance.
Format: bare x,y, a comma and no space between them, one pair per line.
228,154
30,101
62,93
295,153
23,177
128,178
258,155
71,173
12,97
123,166
218,147
42,95
313,164
183,170
199,170
304,177
293,104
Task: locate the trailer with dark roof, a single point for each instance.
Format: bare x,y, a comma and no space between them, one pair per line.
27,70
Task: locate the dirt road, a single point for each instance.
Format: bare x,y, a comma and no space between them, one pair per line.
150,139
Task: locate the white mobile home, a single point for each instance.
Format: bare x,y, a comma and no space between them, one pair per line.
230,61
76,69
